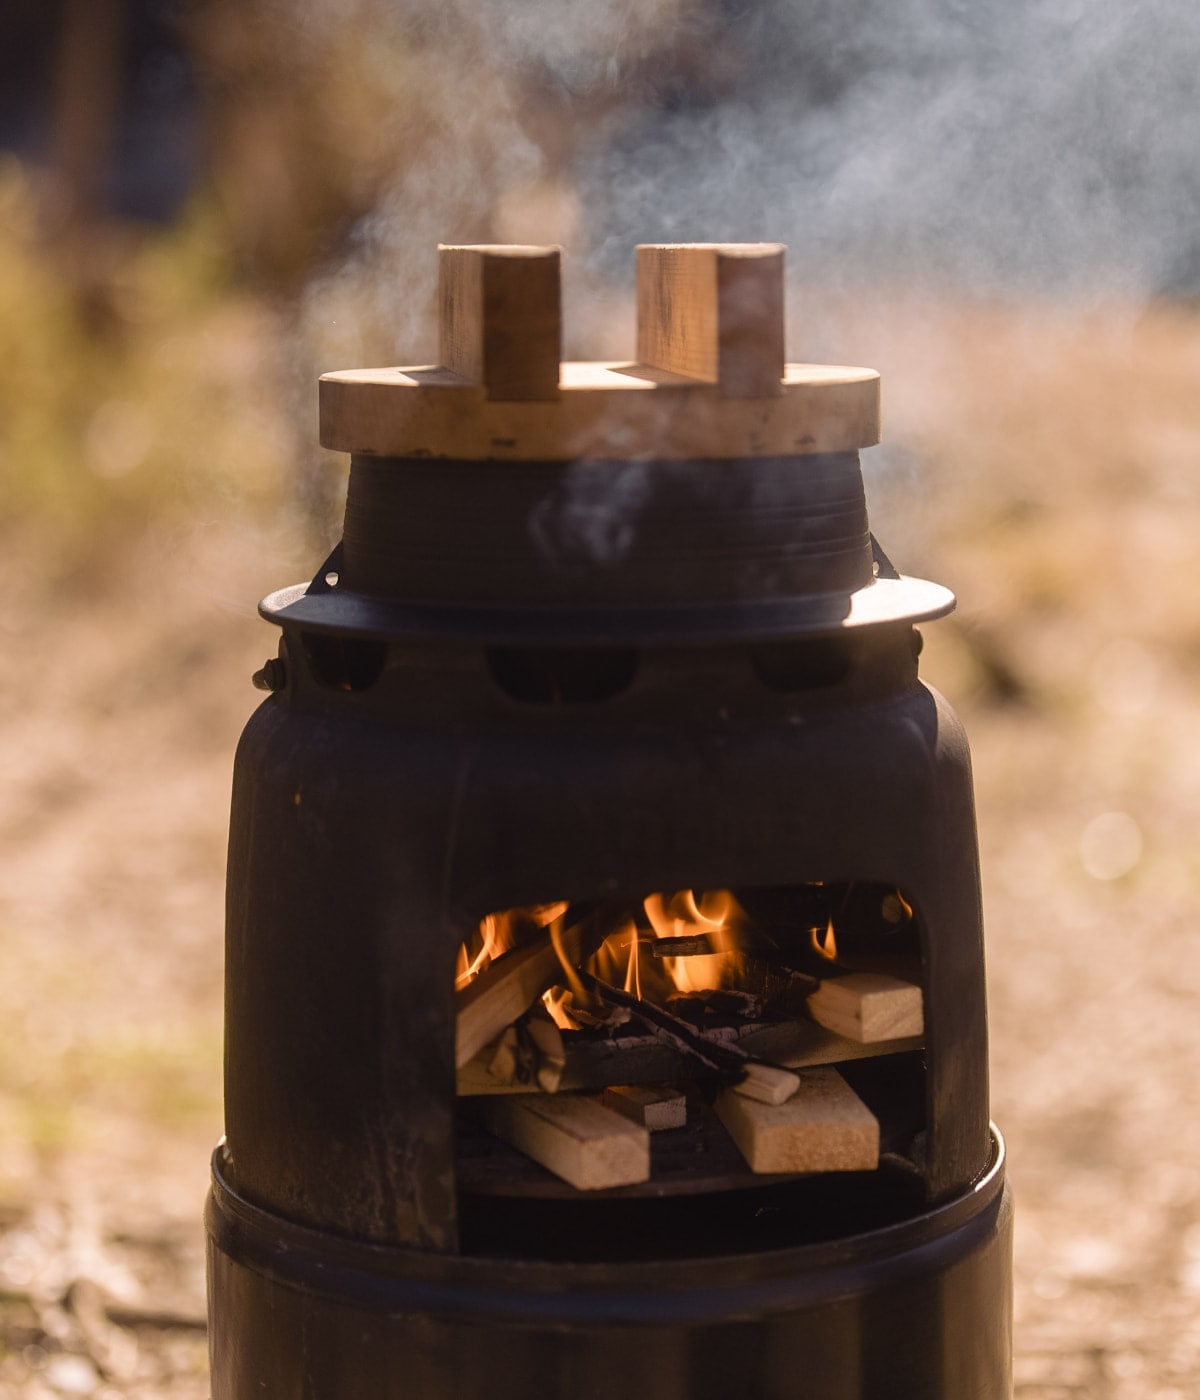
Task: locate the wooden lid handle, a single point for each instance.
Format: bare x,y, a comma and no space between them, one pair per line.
709,382
501,318
713,312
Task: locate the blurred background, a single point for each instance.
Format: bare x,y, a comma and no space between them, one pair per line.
206,203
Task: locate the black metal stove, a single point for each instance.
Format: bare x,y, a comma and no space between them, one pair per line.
595,632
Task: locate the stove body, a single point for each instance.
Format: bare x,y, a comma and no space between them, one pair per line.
587,678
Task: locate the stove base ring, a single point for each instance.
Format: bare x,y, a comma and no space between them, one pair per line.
921,1310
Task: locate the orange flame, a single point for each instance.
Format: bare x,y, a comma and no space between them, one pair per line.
825,944
616,960
570,975
683,916
545,914
633,980
498,935
713,915
704,972
557,1002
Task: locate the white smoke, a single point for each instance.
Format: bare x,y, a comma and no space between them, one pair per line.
1028,146
591,516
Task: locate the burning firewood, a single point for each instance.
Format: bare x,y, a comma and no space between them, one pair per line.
654,1106
685,946
725,1060
823,1127
577,1139
868,1007
697,1007
635,1057
508,987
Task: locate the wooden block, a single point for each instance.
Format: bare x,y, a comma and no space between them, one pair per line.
546,1040
609,411
503,991
710,382
713,312
531,1054
508,987
654,1106
868,1007
799,1044
823,1127
504,1060
768,1084
501,318
577,1139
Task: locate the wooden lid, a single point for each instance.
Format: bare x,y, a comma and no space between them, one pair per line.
709,380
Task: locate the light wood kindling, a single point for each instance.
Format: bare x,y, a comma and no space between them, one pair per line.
655,1106
800,1044
508,987
768,1084
504,1058
547,1043
868,1007
500,318
530,1052
577,1139
503,991
714,313
823,1127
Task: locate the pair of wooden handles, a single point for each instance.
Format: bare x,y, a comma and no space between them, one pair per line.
708,313
709,379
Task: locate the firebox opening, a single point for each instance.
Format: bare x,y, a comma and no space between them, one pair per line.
753,1058
344,663
562,675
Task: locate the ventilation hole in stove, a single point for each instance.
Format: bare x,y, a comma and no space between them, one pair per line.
562,675
344,663
788,667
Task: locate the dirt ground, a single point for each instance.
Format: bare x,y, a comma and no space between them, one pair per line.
1044,467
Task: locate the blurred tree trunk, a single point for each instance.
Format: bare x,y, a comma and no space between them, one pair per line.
88,73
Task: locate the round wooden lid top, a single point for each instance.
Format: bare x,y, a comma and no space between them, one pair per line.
709,380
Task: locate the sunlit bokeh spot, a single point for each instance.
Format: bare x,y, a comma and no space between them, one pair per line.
1110,845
